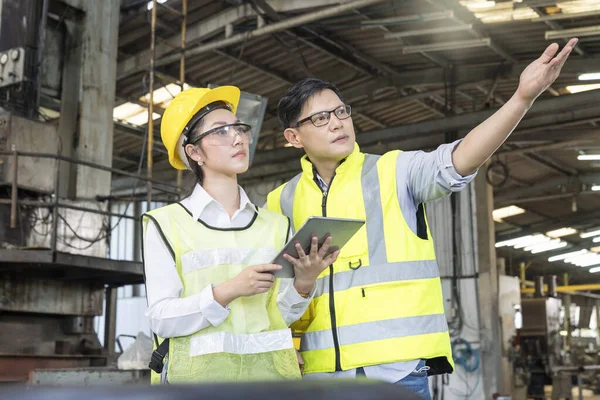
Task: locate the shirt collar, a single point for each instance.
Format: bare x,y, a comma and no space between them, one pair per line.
197,202
354,160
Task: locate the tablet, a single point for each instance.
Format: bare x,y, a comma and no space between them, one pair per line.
341,231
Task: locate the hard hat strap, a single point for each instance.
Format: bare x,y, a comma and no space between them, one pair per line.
216,105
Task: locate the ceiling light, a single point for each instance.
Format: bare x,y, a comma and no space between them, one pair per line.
596,239
557,233
584,260
536,239
505,212
566,255
512,242
589,234
578,258
588,157
591,262
165,94
594,270
596,188
540,243
582,88
141,118
589,77
150,5
480,5
549,246
595,249
127,110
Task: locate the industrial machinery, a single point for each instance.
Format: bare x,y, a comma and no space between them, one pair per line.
56,276
540,341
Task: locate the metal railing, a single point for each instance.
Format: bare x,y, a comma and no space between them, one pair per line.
56,202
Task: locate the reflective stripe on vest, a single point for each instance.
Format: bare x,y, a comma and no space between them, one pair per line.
287,199
380,273
377,330
241,343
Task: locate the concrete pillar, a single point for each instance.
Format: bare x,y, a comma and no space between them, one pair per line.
489,316
97,95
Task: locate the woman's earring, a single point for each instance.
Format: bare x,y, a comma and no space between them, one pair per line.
200,163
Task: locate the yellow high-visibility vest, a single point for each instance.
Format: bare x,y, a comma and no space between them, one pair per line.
254,342
381,302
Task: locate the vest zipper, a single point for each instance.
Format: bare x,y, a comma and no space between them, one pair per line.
336,344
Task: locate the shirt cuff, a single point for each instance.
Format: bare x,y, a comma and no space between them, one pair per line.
290,299
214,313
453,180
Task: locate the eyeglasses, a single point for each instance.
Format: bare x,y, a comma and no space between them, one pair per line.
322,117
225,135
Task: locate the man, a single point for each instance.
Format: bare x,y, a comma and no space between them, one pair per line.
378,311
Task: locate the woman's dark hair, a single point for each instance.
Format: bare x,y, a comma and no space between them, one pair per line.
193,130
193,138
290,105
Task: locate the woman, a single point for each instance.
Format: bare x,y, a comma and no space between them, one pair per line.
210,288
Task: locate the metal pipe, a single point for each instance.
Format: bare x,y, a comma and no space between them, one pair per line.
427,17
428,31
54,237
552,286
271,28
597,322
544,198
459,44
567,288
539,286
87,164
576,368
151,103
14,193
522,275
567,303
575,32
182,76
543,147
110,319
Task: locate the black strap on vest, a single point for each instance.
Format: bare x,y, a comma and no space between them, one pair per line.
158,357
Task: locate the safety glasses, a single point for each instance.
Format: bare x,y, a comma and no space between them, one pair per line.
225,135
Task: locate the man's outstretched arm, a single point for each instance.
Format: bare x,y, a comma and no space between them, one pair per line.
487,137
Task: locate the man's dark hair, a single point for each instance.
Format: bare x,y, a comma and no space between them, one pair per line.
290,105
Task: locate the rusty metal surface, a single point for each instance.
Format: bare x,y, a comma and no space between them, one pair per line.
21,292
16,367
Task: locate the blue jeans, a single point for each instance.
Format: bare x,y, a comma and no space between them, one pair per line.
417,381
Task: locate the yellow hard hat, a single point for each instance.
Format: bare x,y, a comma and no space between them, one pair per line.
181,110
